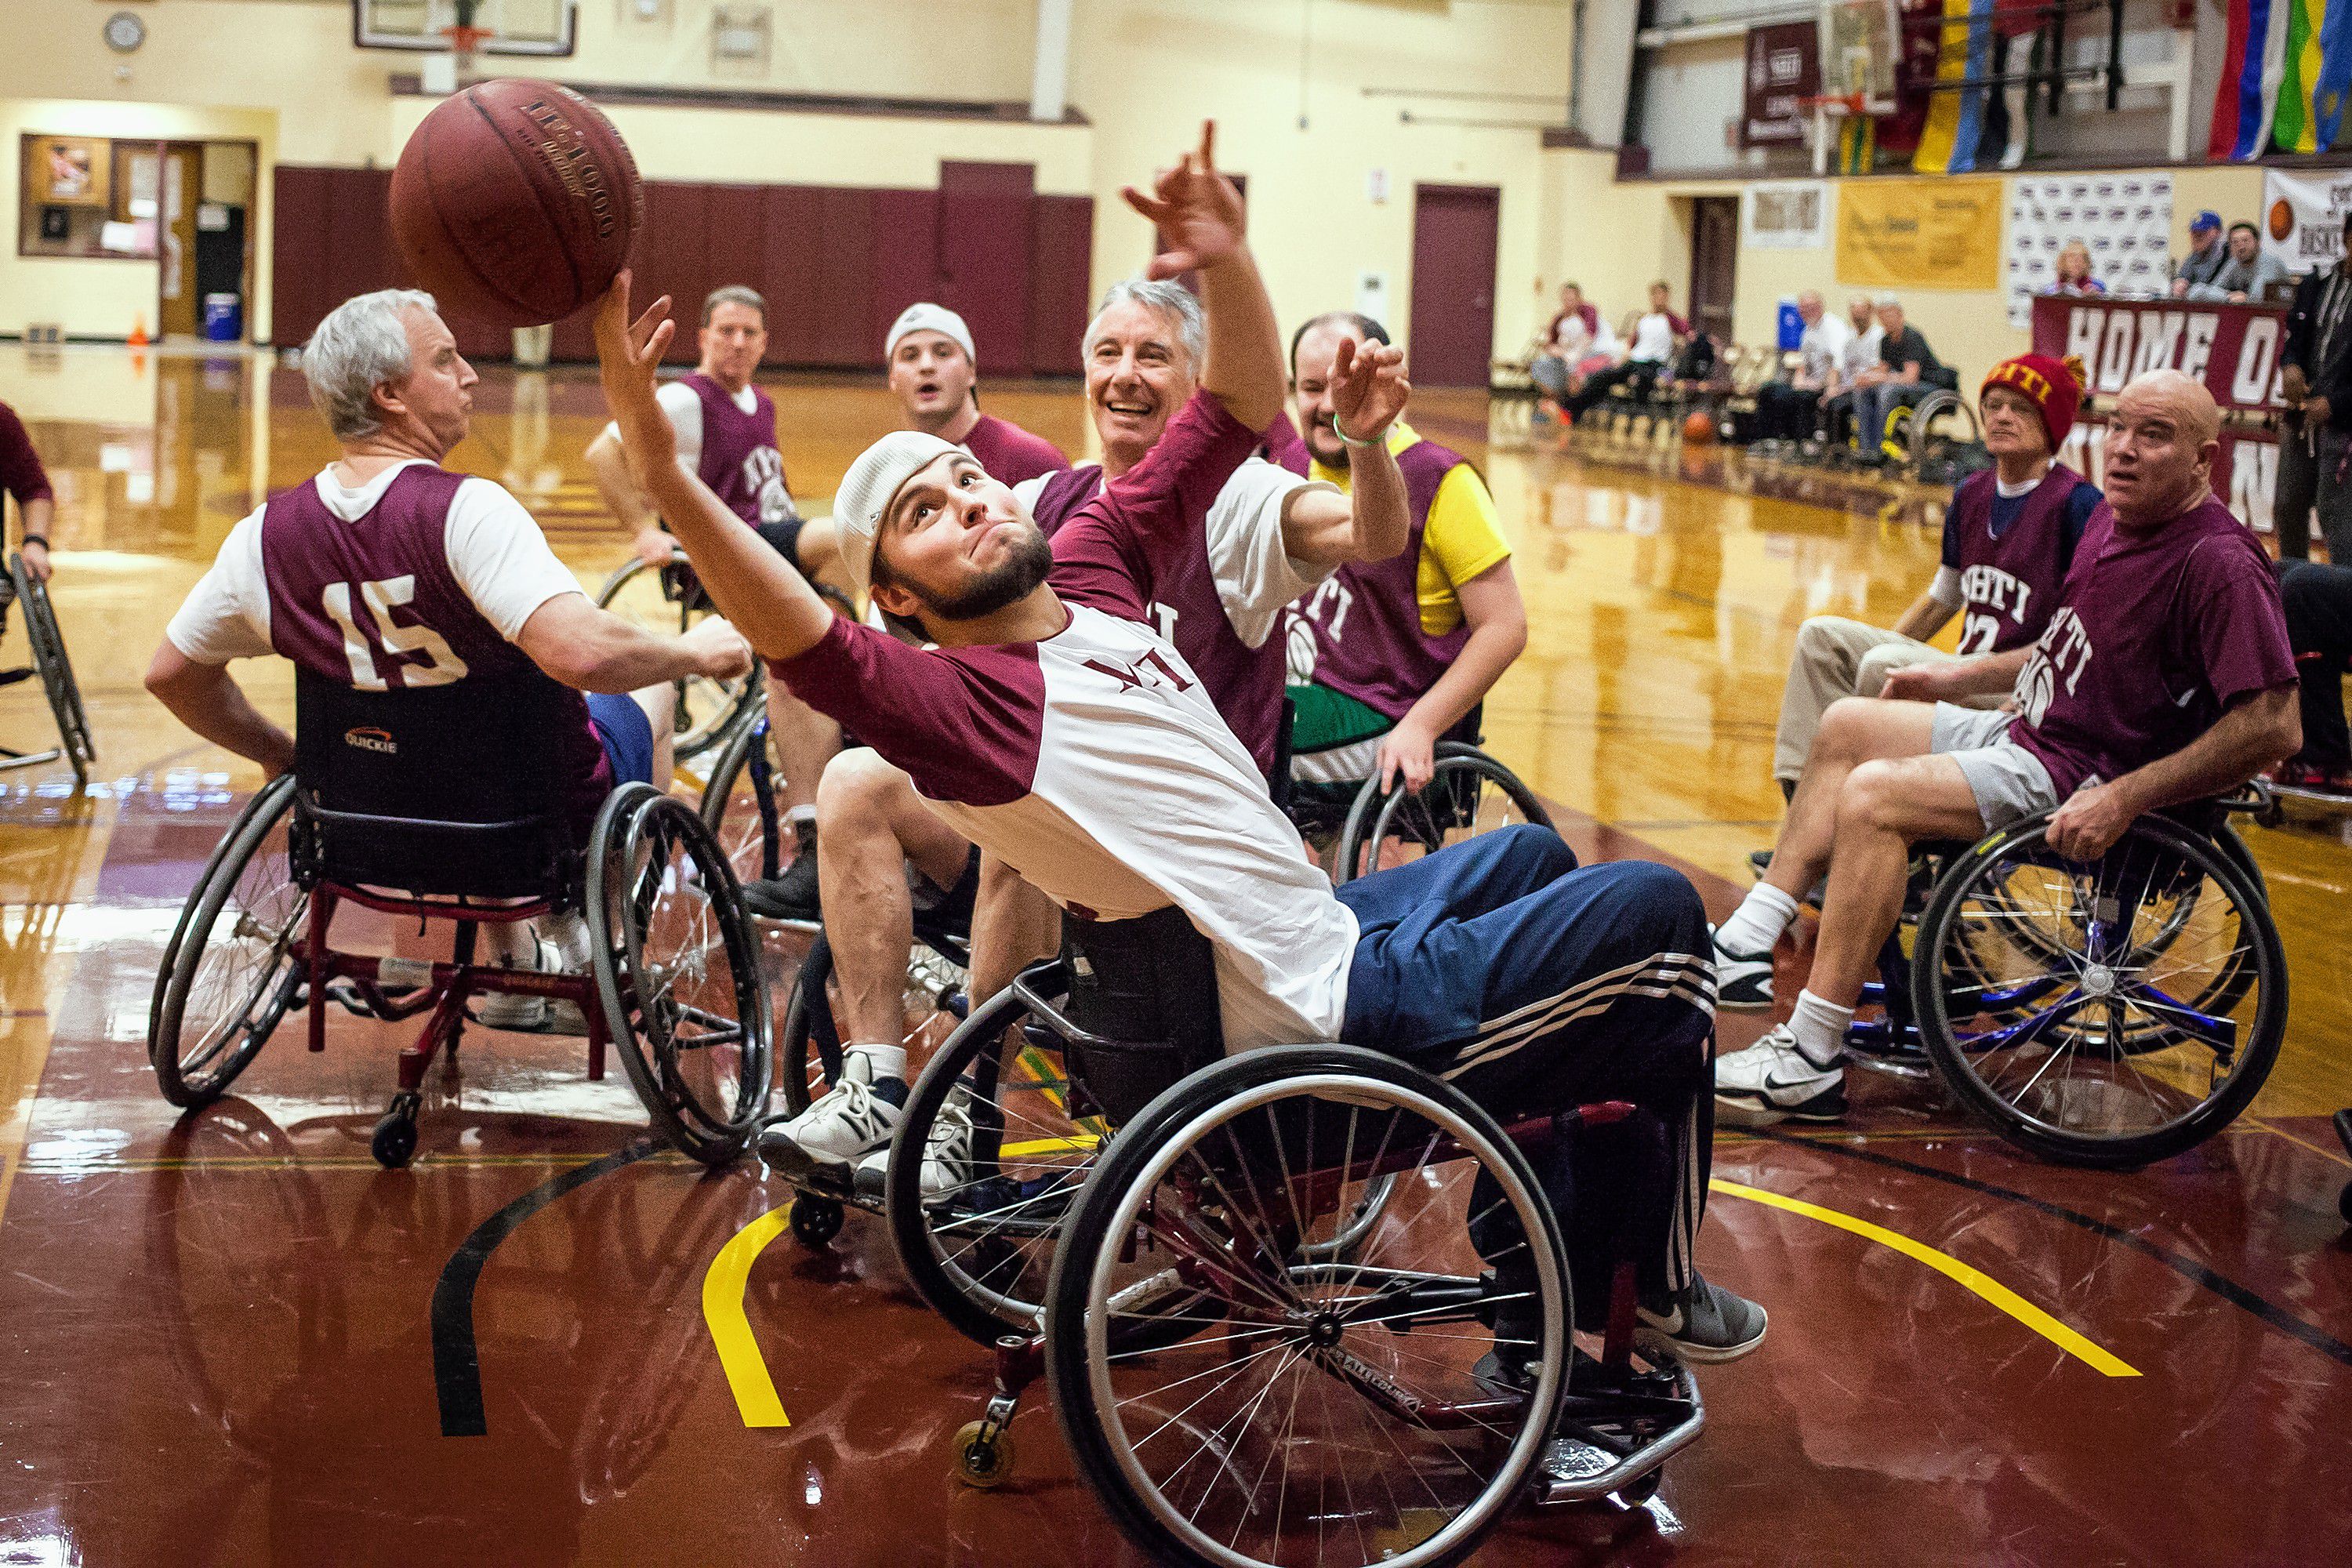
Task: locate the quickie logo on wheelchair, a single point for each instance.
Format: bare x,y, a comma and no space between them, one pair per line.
368,738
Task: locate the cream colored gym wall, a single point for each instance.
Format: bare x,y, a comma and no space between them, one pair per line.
102,298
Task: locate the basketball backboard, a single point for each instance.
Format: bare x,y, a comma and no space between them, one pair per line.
515,26
1858,51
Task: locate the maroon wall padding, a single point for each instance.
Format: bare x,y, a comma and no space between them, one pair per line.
1061,272
836,263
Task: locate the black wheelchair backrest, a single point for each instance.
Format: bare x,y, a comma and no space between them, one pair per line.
1146,988
440,790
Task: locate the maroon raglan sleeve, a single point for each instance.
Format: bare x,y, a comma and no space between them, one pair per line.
21,474
964,723
1103,555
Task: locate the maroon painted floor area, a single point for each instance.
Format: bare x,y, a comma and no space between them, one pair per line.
217,1345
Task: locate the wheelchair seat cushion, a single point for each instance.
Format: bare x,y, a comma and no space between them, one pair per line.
1147,989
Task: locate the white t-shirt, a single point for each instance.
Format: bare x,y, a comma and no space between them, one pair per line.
495,550
1654,339
1823,346
1861,349
684,406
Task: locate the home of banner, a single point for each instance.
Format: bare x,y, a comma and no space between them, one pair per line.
1919,234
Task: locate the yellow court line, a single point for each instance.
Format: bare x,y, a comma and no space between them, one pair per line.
1944,1263
730,1330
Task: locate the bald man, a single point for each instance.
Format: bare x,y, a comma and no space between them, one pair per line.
2164,676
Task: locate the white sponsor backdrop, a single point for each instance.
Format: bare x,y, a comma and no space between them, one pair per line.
2303,219
2125,219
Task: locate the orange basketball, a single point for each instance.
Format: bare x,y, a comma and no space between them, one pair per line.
1698,430
2282,219
516,203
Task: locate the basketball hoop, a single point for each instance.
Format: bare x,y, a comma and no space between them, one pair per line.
1834,105
464,39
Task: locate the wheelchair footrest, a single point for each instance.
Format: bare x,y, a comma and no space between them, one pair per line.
1608,1445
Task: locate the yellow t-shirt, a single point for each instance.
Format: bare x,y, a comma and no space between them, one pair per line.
1460,540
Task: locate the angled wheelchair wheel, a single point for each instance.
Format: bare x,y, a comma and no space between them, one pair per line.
738,800
1469,793
988,1157
56,670
2110,1013
668,600
232,969
1316,1411
677,972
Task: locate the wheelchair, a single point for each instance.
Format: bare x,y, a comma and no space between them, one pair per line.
55,671
1469,793
1316,1253
1942,439
421,790
2110,1013
669,599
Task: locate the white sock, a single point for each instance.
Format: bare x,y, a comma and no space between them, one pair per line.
1756,924
887,1061
1820,1028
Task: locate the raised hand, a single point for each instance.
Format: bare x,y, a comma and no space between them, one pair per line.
1198,211
628,354
1369,389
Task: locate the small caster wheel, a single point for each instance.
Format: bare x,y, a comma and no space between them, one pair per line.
395,1133
981,1460
1640,1490
815,1221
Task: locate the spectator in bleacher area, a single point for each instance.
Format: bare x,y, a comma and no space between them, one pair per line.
2248,272
1859,362
1565,344
1654,336
1791,410
2315,364
2073,274
2207,255
1907,371
21,476
2318,604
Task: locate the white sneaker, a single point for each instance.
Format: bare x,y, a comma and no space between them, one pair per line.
846,1123
947,1152
1773,1080
1743,981
504,1010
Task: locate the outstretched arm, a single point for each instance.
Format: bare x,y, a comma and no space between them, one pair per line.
1200,214
1323,527
757,589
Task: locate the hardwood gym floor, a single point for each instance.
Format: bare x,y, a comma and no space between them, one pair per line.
233,1340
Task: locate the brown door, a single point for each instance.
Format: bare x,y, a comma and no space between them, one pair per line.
1714,256
178,191
1454,252
984,234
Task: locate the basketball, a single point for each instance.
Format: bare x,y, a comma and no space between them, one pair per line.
1698,430
515,202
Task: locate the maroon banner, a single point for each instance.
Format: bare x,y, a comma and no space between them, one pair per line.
1784,64
2233,349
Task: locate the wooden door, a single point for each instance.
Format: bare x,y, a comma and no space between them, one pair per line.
180,189
1715,260
1453,255
984,256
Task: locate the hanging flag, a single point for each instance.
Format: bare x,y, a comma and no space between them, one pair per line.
1919,36
1955,118
1992,143
2294,126
2020,108
1856,144
2252,68
2334,71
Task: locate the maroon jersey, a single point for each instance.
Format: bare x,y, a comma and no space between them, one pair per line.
371,604
1186,607
1366,617
2157,635
739,460
1009,453
2013,556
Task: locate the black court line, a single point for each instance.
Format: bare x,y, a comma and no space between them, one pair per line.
2188,1268
456,1368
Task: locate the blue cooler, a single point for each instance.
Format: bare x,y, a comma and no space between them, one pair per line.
1792,326
224,319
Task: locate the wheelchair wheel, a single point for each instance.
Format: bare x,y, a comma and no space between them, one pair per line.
231,971
667,600
1393,1403
1470,794
1011,1150
809,1050
56,670
738,801
677,972
2106,1014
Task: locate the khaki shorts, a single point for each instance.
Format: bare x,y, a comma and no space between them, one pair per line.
2008,780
